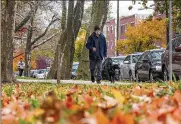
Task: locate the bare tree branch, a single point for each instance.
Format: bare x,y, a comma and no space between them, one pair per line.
40,36
18,55
19,15
44,41
26,19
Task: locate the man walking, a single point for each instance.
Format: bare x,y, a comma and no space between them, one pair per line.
21,66
97,52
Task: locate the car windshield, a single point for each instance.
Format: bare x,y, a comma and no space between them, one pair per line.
41,71
135,58
117,60
156,55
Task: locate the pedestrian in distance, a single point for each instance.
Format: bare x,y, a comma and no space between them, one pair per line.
21,66
97,52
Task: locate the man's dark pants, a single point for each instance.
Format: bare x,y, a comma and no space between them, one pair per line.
20,72
93,65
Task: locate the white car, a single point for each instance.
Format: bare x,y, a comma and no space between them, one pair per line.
41,74
128,67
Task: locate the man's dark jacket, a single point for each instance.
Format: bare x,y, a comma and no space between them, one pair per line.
102,46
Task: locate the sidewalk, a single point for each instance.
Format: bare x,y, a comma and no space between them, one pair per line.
70,82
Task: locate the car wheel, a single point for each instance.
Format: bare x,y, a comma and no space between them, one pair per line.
165,74
137,77
151,78
117,77
130,77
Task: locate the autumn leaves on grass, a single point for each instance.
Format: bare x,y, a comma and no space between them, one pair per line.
84,104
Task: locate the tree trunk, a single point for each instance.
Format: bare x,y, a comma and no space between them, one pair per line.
98,17
7,42
28,48
73,27
27,62
67,41
53,70
64,13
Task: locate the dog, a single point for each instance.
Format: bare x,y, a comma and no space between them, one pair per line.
111,72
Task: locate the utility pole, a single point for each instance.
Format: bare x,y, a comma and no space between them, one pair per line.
167,16
170,40
117,24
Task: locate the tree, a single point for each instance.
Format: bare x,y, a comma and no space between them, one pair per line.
162,6
67,41
61,43
143,36
32,43
8,26
79,43
98,17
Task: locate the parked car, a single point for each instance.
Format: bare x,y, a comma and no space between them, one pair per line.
148,67
41,74
127,70
16,73
116,63
35,73
74,70
176,59
46,72
32,72
119,59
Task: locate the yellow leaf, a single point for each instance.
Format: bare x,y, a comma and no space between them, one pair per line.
38,112
120,98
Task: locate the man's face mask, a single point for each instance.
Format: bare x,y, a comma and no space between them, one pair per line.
98,32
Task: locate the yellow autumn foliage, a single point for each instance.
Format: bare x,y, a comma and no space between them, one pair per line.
79,43
143,36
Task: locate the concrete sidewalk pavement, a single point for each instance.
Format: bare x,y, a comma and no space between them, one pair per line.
69,82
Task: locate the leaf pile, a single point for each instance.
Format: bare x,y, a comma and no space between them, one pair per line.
91,104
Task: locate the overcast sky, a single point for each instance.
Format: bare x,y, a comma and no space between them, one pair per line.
123,8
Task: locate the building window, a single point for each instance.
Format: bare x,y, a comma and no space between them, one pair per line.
107,43
112,44
111,29
108,29
123,29
132,24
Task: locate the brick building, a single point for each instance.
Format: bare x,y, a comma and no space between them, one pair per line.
129,20
110,30
110,34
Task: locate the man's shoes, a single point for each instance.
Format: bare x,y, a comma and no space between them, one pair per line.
92,79
98,82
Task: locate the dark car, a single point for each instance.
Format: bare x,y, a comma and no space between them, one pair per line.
105,68
119,59
176,59
148,67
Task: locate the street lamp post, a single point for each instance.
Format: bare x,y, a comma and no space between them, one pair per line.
117,24
170,40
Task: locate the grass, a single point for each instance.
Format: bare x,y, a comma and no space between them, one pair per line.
80,96
30,78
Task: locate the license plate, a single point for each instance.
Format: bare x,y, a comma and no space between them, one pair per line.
158,68
117,71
